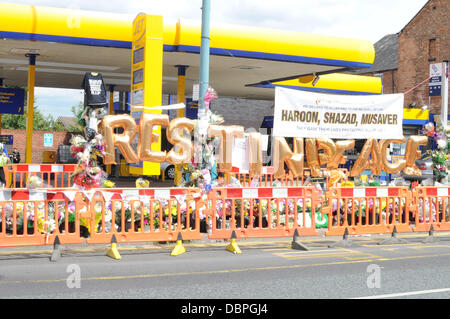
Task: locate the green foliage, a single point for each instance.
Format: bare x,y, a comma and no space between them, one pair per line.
78,112
40,121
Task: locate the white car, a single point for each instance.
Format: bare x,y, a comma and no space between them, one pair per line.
168,169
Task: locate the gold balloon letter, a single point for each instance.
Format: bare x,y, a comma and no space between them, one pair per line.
338,158
390,167
255,153
282,153
183,144
364,161
122,141
312,157
295,163
329,147
226,134
412,154
147,137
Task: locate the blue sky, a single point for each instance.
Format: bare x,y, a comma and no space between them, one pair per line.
57,102
358,19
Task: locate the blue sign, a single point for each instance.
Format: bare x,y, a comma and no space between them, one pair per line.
267,122
48,140
434,90
6,139
191,109
11,101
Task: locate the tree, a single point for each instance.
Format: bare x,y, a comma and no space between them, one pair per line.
40,122
77,111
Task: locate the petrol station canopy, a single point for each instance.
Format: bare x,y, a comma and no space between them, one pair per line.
244,61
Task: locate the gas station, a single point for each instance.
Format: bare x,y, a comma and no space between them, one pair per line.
52,47
145,57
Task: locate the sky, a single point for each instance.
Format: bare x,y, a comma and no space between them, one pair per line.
358,19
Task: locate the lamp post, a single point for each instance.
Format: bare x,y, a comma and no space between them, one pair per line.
201,129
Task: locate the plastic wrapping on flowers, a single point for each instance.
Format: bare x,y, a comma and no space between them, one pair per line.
35,216
440,155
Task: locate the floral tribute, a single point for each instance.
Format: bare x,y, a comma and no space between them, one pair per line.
440,155
202,171
88,149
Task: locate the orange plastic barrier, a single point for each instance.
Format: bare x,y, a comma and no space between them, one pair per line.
433,206
266,179
52,175
36,217
143,214
262,212
369,210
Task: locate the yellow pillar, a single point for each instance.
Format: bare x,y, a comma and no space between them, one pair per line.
146,77
30,107
111,112
181,98
111,100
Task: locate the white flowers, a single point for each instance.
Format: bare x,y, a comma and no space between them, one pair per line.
442,143
51,225
34,181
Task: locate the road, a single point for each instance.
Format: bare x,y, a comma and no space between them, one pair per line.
266,269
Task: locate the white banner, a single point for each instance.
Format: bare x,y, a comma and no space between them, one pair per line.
306,114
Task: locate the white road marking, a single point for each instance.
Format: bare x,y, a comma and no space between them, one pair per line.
404,294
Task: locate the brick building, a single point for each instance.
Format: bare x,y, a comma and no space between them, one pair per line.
403,59
19,141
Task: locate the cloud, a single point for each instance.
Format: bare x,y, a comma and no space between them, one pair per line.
57,102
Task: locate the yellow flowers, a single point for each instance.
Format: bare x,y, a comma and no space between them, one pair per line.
108,184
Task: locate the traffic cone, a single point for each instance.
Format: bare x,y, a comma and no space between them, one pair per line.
232,246
56,255
113,252
179,248
296,244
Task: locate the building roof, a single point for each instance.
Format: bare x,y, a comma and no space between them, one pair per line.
67,121
386,55
71,42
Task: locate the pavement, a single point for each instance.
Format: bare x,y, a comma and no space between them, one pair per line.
321,241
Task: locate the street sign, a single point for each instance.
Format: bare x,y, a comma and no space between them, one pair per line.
191,109
11,100
435,81
195,92
434,90
48,139
6,139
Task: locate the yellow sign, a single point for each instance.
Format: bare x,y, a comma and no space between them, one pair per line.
146,78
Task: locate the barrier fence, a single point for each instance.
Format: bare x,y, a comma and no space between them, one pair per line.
144,215
433,206
36,216
52,175
266,178
33,218
263,212
369,210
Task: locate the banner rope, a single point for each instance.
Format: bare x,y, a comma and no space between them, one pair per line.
411,89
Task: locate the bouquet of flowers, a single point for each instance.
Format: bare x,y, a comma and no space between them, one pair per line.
440,156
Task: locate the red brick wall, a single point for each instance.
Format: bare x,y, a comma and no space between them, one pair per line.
416,46
19,139
390,82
